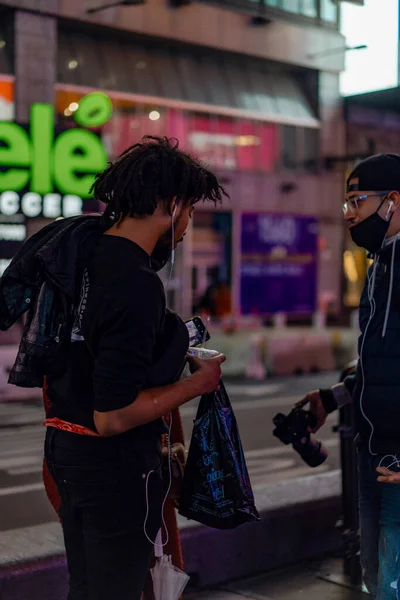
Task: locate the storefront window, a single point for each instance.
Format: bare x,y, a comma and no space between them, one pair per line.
222,142
300,148
248,144
289,147
233,144
355,266
213,139
269,148
6,43
212,259
311,149
129,125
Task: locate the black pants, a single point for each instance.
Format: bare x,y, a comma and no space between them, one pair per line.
103,509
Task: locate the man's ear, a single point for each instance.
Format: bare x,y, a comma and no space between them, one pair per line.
394,201
172,206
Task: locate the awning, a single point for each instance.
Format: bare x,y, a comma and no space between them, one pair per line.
195,79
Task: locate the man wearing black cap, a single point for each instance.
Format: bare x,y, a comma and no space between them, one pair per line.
372,212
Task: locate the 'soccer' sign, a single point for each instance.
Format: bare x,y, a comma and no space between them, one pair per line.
45,173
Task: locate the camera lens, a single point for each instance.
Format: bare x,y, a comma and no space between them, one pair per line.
313,453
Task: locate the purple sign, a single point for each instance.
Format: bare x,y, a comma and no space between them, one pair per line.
279,264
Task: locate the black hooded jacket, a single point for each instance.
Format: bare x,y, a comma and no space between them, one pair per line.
42,282
376,385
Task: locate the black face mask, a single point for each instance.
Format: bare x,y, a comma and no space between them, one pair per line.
370,233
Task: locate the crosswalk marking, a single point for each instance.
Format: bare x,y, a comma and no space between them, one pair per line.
21,489
254,391
17,461
26,470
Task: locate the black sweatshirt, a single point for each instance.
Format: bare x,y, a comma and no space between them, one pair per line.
119,334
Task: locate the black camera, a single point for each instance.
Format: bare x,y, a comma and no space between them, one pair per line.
294,429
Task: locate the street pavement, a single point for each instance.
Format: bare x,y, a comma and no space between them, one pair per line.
308,581
22,498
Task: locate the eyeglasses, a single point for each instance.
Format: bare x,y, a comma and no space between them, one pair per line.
354,204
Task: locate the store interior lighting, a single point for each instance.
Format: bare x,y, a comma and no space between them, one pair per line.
247,140
2,44
154,115
73,64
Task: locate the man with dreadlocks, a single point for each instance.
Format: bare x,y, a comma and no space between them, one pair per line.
109,387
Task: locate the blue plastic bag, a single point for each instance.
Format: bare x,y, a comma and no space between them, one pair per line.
216,489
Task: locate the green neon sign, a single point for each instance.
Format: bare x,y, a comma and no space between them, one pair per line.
42,162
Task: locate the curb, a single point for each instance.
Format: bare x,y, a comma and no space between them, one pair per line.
283,537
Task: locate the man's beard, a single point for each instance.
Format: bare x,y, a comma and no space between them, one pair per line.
162,251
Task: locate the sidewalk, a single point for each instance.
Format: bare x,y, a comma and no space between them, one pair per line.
304,581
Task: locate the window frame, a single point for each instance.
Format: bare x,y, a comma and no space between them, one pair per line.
299,165
251,7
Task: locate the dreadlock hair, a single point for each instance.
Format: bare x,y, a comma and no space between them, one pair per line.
153,171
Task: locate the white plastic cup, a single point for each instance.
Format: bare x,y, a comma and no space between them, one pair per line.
203,353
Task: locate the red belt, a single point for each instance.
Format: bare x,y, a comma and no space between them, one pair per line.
71,427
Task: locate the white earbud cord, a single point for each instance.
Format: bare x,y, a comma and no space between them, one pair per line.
166,494
395,462
370,291
173,249
154,543
389,302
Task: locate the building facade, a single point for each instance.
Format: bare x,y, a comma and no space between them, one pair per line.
251,89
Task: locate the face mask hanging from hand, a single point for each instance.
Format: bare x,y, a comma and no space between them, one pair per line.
371,233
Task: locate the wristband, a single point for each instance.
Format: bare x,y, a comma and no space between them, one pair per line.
328,401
